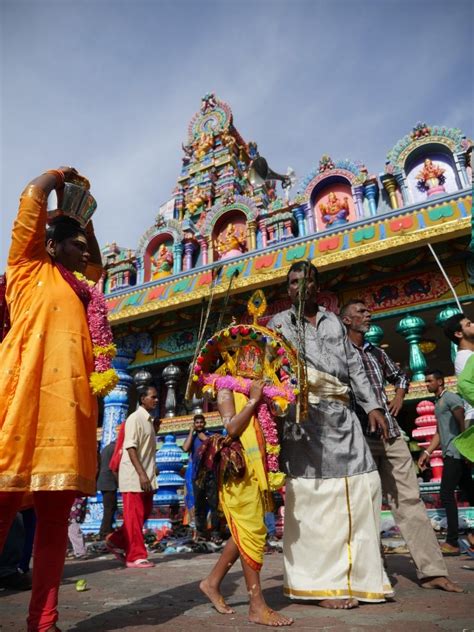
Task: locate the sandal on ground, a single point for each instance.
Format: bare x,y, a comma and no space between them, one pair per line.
140,564
449,551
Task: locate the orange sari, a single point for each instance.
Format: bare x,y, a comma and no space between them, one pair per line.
48,415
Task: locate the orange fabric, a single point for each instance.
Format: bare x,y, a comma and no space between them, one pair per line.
48,415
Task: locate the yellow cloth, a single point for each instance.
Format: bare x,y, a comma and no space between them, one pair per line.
243,501
48,415
322,385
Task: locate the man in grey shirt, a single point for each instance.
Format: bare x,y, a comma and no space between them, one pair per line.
449,412
331,540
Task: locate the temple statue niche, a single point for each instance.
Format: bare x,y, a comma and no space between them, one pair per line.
431,175
231,238
334,207
162,262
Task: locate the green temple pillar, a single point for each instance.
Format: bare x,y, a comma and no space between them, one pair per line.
441,318
412,327
374,335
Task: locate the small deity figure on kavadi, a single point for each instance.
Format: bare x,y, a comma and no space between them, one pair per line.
255,375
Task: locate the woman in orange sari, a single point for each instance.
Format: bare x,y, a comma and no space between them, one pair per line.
48,413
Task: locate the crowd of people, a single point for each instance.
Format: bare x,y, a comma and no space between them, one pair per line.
347,451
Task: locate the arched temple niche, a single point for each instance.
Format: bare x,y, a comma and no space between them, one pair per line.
332,203
159,253
338,192
229,229
429,161
430,170
230,235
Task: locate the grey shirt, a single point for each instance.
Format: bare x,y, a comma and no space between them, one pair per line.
448,427
330,442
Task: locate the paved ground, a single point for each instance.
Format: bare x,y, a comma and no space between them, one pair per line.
167,598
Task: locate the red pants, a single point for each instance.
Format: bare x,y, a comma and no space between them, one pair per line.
129,537
52,513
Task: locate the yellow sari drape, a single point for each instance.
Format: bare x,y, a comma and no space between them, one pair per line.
244,501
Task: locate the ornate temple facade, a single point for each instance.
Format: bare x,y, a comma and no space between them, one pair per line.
227,231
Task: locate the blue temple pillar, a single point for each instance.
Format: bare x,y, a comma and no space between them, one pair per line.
358,195
308,211
370,192
299,214
402,185
116,402
178,257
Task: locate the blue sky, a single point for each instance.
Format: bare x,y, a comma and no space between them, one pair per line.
109,86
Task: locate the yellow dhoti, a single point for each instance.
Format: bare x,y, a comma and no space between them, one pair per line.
244,501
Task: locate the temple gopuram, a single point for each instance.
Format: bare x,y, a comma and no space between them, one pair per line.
231,228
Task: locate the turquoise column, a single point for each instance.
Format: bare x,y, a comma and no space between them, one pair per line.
374,335
178,257
411,328
441,318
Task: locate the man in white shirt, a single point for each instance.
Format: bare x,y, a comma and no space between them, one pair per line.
460,330
137,482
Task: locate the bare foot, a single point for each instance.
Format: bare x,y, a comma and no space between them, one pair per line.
267,616
339,604
441,583
215,598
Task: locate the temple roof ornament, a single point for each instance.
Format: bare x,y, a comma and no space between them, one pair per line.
214,116
423,134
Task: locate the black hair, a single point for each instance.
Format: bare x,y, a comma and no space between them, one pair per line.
345,307
303,266
143,391
452,326
199,416
436,373
63,227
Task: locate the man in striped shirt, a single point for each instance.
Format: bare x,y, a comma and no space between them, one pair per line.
393,457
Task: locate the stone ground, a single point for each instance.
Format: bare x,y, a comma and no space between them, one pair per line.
167,598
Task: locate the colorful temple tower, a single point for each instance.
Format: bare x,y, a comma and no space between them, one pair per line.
227,231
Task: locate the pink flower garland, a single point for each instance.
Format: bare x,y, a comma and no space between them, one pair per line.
104,378
264,416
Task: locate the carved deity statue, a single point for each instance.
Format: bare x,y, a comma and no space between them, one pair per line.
162,263
431,178
203,145
336,211
231,242
196,201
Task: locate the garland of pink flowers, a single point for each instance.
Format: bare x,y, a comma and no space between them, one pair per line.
104,377
264,416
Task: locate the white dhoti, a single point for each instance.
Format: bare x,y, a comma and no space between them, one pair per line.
331,541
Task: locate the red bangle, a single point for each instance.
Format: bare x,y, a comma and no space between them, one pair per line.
59,175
